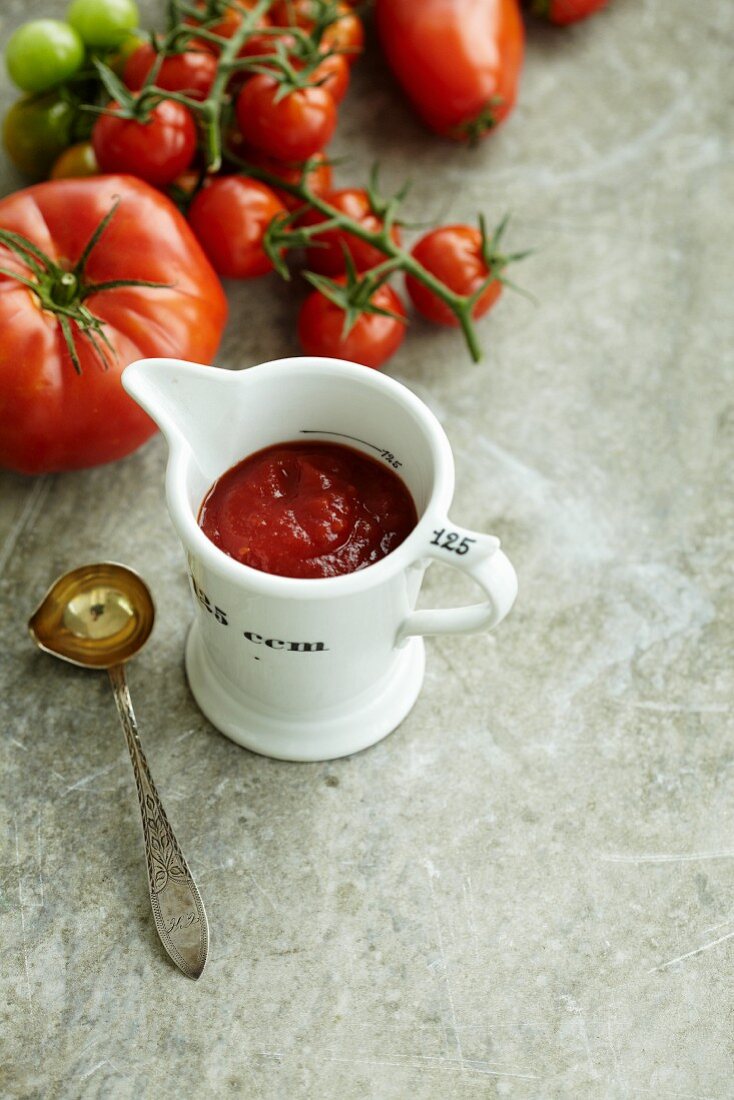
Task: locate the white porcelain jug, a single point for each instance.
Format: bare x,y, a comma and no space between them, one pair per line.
318,668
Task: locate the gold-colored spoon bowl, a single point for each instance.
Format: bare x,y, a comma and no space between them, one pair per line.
99,616
96,616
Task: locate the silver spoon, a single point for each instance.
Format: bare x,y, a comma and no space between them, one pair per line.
99,616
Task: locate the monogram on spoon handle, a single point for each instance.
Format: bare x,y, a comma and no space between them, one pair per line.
177,906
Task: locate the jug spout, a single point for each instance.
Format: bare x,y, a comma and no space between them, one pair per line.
188,401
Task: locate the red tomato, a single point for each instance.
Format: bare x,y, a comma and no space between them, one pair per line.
318,179
453,254
345,34
52,417
334,72
156,151
327,256
192,72
225,26
566,11
371,341
263,45
458,62
229,217
226,20
291,128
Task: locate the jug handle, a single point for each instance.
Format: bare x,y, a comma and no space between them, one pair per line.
479,556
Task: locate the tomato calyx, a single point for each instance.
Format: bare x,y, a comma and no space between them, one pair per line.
353,293
136,106
472,130
496,260
292,70
63,291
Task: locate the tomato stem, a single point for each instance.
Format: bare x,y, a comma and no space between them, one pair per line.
210,110
395,254
64,289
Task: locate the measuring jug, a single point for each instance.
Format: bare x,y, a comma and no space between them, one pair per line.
312,669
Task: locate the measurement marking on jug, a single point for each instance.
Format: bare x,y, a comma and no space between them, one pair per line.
219,615
447,540
382,452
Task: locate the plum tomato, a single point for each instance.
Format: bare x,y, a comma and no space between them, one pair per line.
156,151
36,131
76,162
454,255
229,217
326,255
290,128
43,53
103,23
459,63
371,340
191,72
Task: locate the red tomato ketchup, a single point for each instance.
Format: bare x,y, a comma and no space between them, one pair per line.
308,510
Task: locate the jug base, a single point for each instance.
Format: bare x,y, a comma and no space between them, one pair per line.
339,731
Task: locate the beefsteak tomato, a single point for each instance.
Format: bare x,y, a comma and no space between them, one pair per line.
108,272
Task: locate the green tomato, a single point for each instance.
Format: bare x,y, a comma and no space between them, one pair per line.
36,130
103,23
43,53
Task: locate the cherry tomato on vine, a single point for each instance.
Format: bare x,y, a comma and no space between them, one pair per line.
563,12
76,162
333,74
191,72
459,63
454,255
229,217
36,131
326,256
225,19
117,59
156,151
345,34
103,23
371,340
291,128
318,178
41,54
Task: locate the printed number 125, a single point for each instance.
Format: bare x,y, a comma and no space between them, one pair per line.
450,540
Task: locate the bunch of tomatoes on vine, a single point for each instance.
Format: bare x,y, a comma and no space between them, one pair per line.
227,113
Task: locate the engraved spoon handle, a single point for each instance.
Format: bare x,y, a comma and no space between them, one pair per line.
177,907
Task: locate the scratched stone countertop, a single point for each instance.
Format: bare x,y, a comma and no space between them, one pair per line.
527,890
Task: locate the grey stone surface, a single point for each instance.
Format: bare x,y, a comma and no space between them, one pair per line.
527,890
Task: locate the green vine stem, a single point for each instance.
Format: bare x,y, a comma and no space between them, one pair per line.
283,234
460,305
